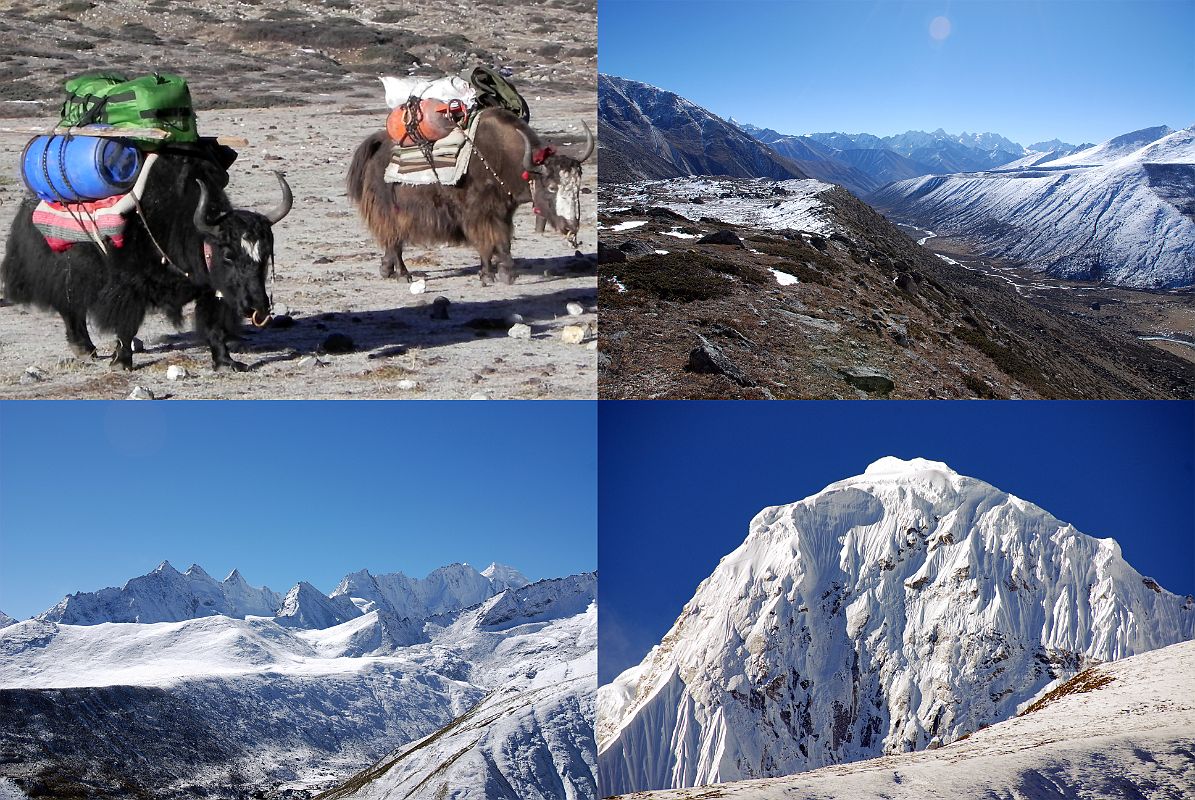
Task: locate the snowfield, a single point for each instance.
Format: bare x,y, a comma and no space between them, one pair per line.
1131,737
1120,212
903,607
752,203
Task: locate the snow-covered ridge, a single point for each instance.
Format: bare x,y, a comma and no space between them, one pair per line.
1122,212
6,620
1137,714
167,595
898,606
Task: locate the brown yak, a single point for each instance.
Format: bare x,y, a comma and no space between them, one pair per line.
510,166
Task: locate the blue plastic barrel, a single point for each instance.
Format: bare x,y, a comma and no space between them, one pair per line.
77,169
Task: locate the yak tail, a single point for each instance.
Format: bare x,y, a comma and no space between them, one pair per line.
361,158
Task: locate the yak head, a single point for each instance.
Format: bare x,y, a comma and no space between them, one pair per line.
555,181
239,250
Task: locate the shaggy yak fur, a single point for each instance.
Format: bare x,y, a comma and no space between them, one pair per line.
117,289
479,210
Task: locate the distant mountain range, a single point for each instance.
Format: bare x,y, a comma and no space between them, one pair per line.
647,133
1120,212
211,692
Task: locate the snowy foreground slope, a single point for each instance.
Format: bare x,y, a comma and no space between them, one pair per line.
1122,212
530,738
1123,729
217,705
891,609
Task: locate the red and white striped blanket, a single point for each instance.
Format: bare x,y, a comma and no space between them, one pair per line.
66,224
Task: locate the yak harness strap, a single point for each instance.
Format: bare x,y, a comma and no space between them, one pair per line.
67,224
485,163
448,161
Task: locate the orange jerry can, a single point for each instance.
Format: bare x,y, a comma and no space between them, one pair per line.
435,120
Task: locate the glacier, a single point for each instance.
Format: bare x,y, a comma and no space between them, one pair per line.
902,607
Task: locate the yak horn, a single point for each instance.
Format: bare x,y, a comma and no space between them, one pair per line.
589,143
276,214
200,218
527,165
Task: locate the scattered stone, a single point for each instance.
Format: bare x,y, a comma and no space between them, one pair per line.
312,361
34,375
140,393
407,384
281,308
610,255
519,331
514,319
1095,306
709,358
337,343
176,373
574,309
439,308
322,260
722,237
573,334
479,396
869,380
635,248
419,286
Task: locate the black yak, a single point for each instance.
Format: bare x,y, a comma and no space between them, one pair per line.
509,166
210,253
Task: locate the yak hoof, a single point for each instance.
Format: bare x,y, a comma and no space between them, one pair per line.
232,364
117,362
505,277
386,269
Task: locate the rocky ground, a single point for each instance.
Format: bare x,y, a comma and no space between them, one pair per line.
299,81
869,314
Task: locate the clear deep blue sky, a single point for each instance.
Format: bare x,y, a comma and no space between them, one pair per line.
1031,70
680,482
92,494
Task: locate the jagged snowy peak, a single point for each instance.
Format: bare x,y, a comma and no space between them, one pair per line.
647,133
540,601
900,605
445,590
935,152
165,595
1122,212
531,736
1137,714
6,620
307,607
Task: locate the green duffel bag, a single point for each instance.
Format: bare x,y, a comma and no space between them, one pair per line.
494,91
160,101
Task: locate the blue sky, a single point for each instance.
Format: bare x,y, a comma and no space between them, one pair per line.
92,494
1031,70
680,482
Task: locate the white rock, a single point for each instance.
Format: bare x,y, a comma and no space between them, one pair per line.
573,334
419,286
34,375
480,396
140,393
280,309
519,331
407,384
176,373
514,319
575,309
312,361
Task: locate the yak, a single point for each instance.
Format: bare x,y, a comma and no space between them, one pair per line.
510,166
188,244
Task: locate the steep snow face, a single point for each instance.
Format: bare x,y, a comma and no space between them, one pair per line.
6,620
531,736
307,607
1137,714
1122,212
165,595
900,605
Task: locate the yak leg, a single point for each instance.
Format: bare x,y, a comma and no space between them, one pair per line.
392,258
214,320
126,328
76,333
506,265
487,266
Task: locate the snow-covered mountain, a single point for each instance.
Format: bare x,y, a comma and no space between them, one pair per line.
646,132
1137,714
531,736
6,620
167,595
1122,212
215,704
937,152
891,609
